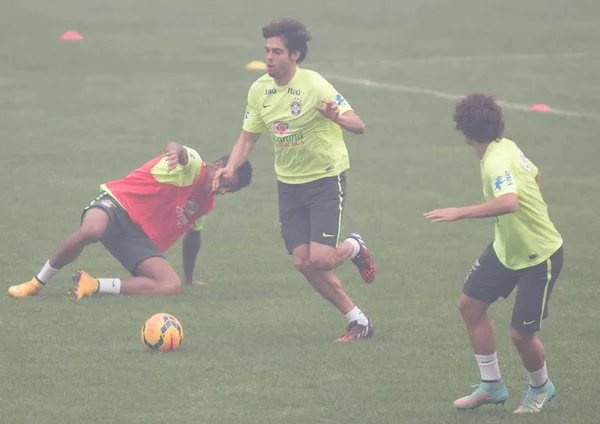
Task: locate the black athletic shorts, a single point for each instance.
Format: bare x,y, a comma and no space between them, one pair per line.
489,279
312,211
126,242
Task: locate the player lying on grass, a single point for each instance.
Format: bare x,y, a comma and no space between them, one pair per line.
137,218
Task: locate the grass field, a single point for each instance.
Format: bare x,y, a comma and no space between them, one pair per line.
258,339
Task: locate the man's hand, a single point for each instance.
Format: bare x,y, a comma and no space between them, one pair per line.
175,154
172,157
330,111
226,173
445,215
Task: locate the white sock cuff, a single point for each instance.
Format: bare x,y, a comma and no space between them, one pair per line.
355,247
488,367
46,273
538,378
356,315
109,285
486,359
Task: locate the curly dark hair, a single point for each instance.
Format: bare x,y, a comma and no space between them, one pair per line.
479,118
244,172
294,34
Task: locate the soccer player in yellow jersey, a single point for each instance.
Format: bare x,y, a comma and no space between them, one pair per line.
527,253
303,115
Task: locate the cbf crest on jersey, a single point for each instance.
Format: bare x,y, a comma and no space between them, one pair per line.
296,107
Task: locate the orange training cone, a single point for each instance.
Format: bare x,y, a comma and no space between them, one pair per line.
540,108
71,36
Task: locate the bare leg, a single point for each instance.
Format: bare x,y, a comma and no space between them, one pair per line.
91,230
326,283
327,258
531,350
479,326
342,253
156,277
483,341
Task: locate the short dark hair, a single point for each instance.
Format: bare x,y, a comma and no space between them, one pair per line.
244,172
479,117
293,32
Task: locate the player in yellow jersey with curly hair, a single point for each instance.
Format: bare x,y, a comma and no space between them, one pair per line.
527,253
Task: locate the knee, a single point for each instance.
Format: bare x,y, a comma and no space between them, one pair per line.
172,286
322,263
519,338
470,309
302,265
90,233
94,224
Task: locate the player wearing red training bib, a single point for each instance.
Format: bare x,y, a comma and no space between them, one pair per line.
137,218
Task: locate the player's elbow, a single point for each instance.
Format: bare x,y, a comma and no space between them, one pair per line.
357,128
538,179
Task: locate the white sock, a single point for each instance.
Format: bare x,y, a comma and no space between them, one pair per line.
356,315
109,285
46,273
488,367
538,378
355,247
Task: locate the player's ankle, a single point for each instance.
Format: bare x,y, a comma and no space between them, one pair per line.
355,246
109,285
46,273
357,315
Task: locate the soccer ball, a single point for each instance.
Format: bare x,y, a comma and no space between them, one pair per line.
162,332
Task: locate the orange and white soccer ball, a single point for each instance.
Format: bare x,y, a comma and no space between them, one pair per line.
162,332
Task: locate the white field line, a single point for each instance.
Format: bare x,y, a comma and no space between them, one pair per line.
450,96
483,58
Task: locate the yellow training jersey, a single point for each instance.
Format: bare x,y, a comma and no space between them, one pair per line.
526,237
307,145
